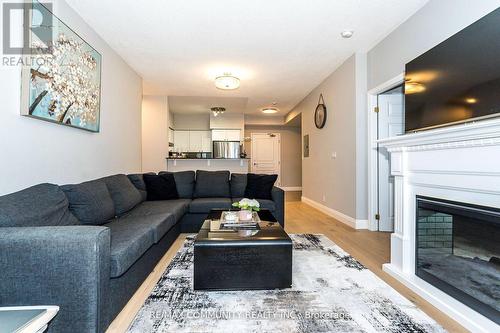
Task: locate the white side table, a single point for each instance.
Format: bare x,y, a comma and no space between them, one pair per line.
26,319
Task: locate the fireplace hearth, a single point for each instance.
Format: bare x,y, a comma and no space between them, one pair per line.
458,251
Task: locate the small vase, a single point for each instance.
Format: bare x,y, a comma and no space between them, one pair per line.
245,215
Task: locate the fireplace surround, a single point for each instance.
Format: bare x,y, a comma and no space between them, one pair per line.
458,164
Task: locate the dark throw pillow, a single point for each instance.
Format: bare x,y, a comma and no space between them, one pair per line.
161,187
260,186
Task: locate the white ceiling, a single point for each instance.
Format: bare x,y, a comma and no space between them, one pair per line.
202,104
280,49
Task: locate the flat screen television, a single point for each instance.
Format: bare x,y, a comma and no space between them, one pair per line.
456,81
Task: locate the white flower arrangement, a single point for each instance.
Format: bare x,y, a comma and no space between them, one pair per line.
247,204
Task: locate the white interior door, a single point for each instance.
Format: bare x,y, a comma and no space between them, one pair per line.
266,154
390,123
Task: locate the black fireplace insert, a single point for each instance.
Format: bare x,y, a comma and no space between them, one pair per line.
458,252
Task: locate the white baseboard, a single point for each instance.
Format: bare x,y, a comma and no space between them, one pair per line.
346,219
290,188
464,315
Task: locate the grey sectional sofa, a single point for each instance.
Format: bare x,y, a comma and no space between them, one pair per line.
87,247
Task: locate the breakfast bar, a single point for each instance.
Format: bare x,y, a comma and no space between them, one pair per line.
234,165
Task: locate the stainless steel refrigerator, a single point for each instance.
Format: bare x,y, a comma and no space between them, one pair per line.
226,149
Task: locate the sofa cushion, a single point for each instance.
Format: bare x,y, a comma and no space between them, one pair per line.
90,202
184,181
161,187
124,194
177,207
212,184
138,181
264,204
160,223
238,184
204,205
39,205
130,238
260,186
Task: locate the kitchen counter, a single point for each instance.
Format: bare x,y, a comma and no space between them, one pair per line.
207,158
237,165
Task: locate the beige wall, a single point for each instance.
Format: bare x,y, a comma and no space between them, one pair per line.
35,151
330,181
228,121
191,121
155,123
291,162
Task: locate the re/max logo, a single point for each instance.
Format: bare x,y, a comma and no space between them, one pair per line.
36,23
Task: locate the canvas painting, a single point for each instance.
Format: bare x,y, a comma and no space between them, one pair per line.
62,82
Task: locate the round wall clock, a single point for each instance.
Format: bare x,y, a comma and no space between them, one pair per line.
320,114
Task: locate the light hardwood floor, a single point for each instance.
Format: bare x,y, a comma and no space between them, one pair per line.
372,249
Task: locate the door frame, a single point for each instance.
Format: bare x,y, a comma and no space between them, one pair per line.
372,147
278,135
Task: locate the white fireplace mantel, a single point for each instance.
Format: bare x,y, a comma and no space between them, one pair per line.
459,163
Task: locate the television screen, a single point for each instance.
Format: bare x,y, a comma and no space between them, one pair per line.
457,80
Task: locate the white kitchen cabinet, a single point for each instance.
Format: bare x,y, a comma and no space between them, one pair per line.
218,135
195,141
233,135
181,141
206,141
192,141
170,135
226,135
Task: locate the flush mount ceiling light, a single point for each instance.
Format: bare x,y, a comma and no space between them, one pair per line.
347,33
270,110
217,110
227,82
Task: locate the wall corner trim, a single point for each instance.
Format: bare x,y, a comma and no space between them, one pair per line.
346,219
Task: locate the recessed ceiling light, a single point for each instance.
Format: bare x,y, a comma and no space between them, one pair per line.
227,82
347,33
270,110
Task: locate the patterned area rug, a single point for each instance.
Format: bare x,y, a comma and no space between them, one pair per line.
331,292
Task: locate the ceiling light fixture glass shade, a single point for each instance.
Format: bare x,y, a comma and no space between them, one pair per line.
217,110
347,33
227,82
270,110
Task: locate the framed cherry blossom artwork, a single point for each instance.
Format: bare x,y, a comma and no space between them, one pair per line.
61,82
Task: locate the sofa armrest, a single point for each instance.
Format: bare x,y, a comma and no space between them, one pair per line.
66,266
278,196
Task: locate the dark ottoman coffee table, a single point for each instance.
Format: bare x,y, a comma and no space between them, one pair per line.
245,259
